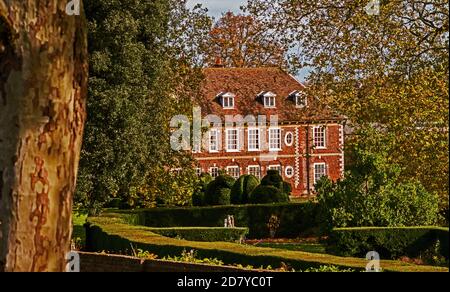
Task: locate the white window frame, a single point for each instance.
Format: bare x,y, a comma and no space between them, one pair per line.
254,167
227,140
251,143
211,171
271,137
286,171
234,167
198,171
315,138
217,137
286,139
230,101
325,168
298,96
276,167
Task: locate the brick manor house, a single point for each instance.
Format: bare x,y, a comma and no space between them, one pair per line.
306,143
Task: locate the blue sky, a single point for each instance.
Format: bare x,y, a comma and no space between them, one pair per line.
217,7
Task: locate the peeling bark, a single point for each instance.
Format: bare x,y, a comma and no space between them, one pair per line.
43,80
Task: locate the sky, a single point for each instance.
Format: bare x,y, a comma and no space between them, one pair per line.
217,7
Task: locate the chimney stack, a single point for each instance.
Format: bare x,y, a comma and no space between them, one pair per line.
219,63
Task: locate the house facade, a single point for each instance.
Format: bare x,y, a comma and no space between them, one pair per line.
260,119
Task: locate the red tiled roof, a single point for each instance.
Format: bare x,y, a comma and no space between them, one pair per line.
248,83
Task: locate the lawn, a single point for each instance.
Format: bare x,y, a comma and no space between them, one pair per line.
111,233
79,233
306,247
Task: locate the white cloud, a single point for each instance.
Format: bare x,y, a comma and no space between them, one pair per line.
217,7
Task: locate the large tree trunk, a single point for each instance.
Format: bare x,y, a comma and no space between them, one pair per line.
43,79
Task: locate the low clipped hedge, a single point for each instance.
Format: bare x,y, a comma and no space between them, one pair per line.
203,233
113,235
295,218
390,243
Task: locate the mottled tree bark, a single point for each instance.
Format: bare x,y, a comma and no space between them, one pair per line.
43,79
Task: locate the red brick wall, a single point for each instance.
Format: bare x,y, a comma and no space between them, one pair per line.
93,263
294,156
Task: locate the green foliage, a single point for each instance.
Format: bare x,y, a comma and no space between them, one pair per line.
191,257
329,269
219,190
242,188
387,73
295,219
138,82
390,243
267,194
374,194
198,198
111,234
274,179
206,234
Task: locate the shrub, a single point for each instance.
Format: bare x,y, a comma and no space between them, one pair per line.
205,234
273,178
390,243
374,194
219,190
295,219
198,198
264,194
242,188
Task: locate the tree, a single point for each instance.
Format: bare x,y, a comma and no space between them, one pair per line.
43,77
142,73
243,41
386,70
374,194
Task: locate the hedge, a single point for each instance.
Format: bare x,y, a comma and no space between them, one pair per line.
295,219
267,194
113,235
207,234
390,243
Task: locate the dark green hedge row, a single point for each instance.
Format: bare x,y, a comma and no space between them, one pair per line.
203,233
295,219
390,243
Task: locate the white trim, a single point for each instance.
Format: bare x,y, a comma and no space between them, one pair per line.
254,166
286,171
217,135
271,149
276,167
285,139
303,95
324,136
234,167
314,171
259,139
211,171
231,97
237,140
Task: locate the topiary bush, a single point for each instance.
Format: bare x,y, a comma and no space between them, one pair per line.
242,188
273,178
219,190
198,198
268,194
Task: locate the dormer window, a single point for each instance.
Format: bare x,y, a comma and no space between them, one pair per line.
300,99
268,99
227,100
